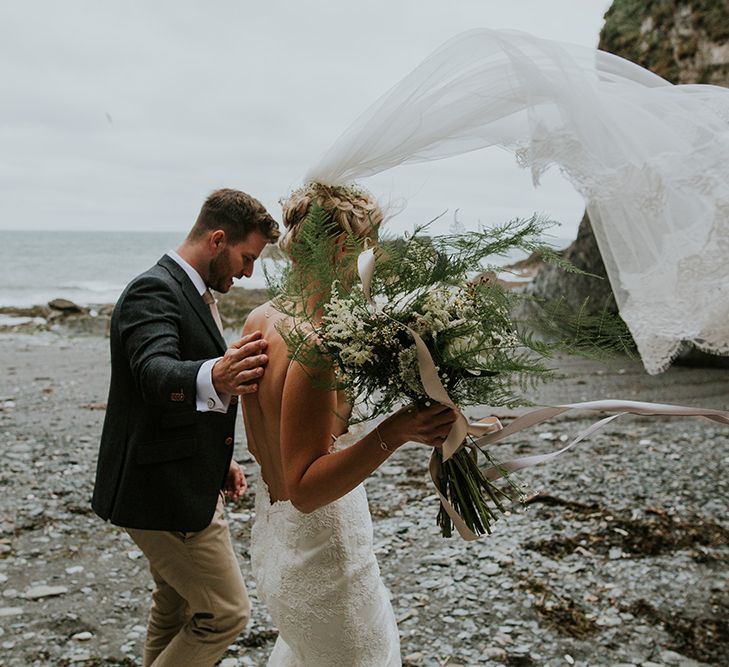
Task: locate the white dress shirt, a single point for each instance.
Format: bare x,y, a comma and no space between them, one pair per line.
206,398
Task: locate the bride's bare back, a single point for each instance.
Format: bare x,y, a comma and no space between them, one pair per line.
262,410
292,417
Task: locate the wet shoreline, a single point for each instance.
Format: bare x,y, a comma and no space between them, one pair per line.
65,317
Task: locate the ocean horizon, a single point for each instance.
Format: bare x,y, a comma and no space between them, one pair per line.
93,267
85,267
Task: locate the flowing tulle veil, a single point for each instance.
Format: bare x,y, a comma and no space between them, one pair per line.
649,158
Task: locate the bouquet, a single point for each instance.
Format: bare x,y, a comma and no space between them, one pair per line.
442,290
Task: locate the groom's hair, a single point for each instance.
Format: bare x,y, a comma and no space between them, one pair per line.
237,214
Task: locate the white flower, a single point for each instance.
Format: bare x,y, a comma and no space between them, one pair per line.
356,356
409,370
443,308
462,346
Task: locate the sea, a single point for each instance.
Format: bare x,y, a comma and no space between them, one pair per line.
87,268
90,267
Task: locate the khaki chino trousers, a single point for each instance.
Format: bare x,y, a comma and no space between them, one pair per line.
199,604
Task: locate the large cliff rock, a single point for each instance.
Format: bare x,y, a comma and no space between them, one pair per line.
684,41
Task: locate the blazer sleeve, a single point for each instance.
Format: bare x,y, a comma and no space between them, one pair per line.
149,329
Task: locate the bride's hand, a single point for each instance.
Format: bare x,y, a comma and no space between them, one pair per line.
427,425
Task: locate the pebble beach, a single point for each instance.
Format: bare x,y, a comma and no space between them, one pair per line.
619,558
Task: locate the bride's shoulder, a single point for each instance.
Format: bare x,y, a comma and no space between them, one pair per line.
259,311
255,318
269,318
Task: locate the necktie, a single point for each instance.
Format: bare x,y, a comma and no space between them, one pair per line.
212,304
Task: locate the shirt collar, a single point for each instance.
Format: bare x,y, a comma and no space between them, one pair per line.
190,271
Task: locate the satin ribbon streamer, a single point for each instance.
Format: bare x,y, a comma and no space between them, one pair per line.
489,430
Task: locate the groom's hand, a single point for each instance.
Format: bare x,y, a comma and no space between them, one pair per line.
239,369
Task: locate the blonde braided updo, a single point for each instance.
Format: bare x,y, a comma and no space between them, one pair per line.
352,208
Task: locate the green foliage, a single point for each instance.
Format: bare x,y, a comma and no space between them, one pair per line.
445,289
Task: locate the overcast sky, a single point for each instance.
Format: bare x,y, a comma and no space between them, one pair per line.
125,115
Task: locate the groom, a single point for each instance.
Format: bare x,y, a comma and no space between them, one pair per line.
165,458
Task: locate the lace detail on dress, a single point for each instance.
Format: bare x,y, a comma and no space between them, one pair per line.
318,576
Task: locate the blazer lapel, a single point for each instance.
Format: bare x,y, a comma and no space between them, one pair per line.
194,299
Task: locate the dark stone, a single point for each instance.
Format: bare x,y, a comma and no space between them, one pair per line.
65,306
553,283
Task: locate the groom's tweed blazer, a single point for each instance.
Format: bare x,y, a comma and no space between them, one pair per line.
161,462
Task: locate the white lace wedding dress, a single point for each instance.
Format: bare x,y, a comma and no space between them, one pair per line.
318,577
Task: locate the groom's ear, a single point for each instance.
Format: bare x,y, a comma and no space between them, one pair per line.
217,241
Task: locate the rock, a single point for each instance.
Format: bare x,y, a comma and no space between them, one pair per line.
608,620
65,306
492,653
682,41
551,282
38,592
15,321
82,636
392,470
673,658
10,611
615,553
85,325
78,656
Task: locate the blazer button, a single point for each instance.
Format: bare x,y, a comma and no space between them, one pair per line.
211,403
229,441
233,400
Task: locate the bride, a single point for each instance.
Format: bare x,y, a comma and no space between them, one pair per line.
311,544
649,159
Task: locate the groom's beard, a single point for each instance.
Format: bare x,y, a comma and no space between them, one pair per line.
220,275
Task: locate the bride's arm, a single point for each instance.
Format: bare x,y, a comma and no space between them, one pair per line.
314,476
